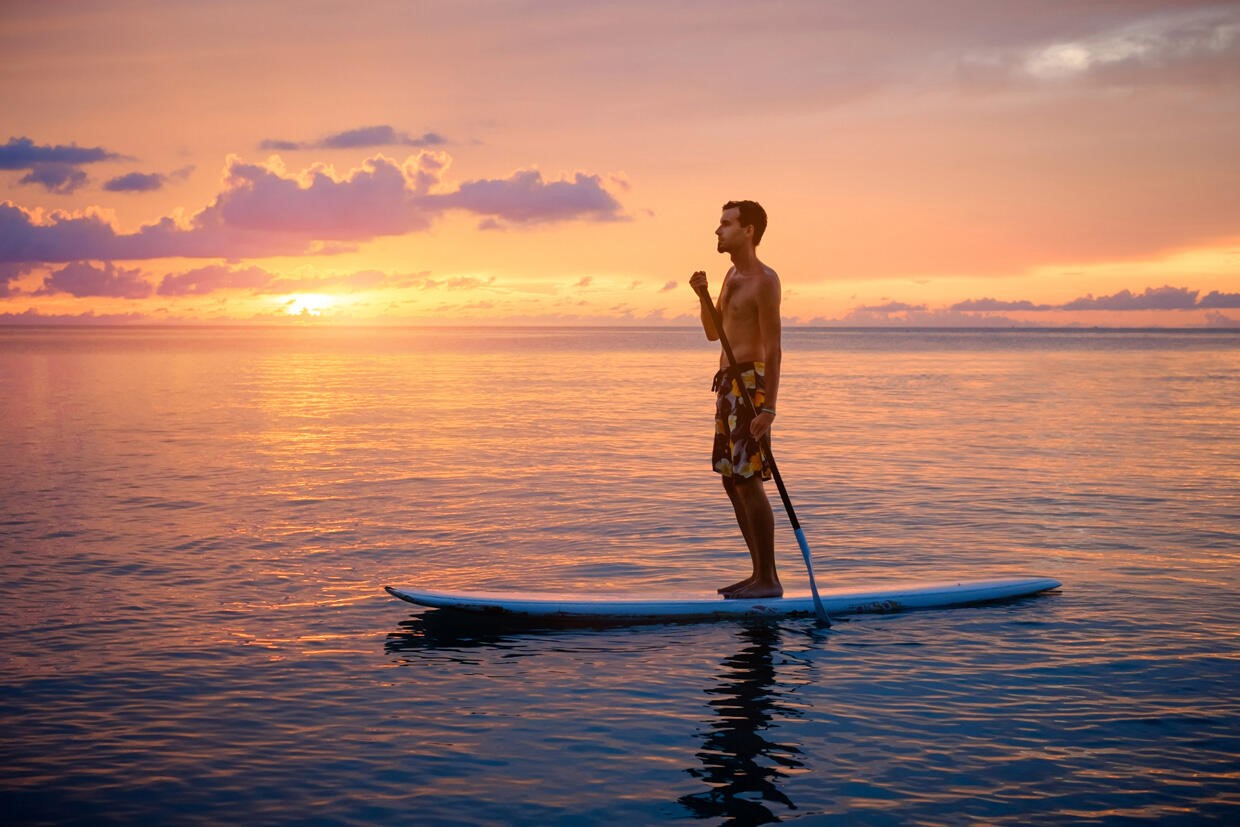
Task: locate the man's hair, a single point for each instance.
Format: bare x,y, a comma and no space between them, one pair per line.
751,215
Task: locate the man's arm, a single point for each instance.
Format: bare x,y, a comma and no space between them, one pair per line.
770,332
707,316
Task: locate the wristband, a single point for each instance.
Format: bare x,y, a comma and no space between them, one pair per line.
771,411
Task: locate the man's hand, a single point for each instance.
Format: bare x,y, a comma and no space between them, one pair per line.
761,424
698,282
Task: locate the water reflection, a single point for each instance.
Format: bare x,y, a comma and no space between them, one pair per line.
448,631
741,764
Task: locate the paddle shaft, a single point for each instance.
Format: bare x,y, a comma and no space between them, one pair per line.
765,444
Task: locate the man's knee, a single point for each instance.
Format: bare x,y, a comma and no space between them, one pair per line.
742,485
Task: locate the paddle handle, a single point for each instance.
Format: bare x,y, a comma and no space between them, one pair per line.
765,443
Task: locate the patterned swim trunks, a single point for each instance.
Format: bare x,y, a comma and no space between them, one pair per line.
736,452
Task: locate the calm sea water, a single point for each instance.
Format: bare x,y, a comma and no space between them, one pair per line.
197,525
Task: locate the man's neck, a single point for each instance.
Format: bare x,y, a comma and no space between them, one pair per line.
746,261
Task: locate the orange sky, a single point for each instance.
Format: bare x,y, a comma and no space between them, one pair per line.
961,162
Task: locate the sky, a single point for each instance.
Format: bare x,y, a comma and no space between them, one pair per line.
956,163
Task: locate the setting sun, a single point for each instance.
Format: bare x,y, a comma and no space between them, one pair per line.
308,304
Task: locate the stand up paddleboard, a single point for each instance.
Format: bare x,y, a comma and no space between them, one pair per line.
893,597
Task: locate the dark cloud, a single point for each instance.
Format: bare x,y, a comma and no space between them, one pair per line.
1215,300
23,240
23,153
264,211
82,278
373,136
889,308
58,178
989,305
277,145
1153,298
9,273
136,182
55,168
366,137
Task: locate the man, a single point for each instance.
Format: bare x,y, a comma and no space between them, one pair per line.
749,306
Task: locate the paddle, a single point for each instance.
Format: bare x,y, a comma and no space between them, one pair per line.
715,316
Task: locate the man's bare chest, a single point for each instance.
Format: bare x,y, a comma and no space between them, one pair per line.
738,299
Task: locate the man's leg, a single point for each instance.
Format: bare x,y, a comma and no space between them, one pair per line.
757,522
729,485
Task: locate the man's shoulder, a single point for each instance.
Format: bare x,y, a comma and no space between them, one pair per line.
770,280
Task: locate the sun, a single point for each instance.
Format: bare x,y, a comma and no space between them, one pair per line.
308,304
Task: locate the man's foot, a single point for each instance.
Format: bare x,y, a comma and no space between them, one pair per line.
757,590
727,591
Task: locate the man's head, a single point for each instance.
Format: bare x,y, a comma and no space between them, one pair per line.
749,214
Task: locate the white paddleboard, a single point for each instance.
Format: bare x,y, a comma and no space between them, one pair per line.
889,597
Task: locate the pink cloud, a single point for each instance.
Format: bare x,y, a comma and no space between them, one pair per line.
203,280
265,211
526,198
82,278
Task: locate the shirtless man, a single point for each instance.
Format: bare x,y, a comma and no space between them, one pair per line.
749,306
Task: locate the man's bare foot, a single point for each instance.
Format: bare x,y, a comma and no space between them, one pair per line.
726,591
757,590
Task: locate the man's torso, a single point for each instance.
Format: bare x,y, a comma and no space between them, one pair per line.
738,304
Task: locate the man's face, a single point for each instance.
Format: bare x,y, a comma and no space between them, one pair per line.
731,234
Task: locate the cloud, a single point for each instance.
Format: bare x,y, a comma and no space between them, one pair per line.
900,314
203,280
1153,298
9,273
82,278
365,137
526,198
264,210
55,168
1118,48
213,278
377,199
888,308
1164,298
23,153
669,287
1216,319
144,181
31,316
58,178
1215,299
989,305
455,283
1157,42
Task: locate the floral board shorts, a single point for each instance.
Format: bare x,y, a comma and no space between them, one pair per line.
736,452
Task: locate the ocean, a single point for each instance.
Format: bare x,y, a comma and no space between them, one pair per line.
198,523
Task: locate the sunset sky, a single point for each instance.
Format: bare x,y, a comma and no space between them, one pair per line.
958,162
